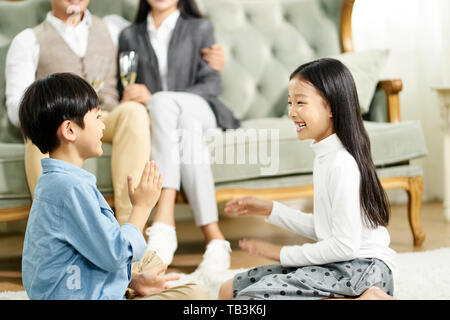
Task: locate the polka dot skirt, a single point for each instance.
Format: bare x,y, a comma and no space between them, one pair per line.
333,280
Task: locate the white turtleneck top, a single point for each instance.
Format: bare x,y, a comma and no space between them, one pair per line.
337,223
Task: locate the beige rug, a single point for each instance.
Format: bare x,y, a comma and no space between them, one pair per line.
419,276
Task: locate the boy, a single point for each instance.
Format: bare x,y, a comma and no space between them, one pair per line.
74,247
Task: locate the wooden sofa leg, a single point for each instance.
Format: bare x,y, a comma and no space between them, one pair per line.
414,204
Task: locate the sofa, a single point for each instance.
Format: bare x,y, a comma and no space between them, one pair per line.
264,40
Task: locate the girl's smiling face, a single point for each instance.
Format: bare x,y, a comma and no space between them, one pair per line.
309,110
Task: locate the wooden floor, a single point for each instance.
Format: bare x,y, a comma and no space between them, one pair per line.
191,244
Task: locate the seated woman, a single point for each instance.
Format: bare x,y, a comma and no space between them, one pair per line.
180,91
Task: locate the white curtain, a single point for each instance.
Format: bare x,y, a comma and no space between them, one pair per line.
417,34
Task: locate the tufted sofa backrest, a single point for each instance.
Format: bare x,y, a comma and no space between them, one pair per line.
264,41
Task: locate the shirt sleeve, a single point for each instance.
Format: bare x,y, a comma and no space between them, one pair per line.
95,233
293,220
346,223
20,70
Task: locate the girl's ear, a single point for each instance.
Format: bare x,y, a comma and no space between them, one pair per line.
330,114
66,131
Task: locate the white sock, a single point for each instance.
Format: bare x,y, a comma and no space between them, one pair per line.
217,255
162,238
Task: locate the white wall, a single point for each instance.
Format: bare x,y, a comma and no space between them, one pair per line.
417,34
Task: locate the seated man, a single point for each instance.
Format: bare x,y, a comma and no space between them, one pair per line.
71,39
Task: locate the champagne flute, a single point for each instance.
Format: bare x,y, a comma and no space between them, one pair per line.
101,68
128,67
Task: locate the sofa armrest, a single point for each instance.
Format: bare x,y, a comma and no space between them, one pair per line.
346,26
392,88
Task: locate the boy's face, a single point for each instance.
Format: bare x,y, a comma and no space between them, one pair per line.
89,139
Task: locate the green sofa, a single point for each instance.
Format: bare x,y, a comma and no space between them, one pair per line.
264,41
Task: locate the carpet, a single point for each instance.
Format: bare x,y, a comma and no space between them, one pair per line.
419,276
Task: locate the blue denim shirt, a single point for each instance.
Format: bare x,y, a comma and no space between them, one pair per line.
74,247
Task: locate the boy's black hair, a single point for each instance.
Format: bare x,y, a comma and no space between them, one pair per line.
50,101
333,79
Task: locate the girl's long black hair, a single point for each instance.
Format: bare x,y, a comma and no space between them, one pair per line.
332,78
188,9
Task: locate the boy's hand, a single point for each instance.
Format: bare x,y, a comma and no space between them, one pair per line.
152,281
145,195
249,205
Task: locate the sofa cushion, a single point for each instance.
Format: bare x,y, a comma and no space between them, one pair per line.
13,183
305,179
365,67
269,147
262,148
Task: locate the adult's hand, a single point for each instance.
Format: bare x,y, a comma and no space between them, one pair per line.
215,56
136,92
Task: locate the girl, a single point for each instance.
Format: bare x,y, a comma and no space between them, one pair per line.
351,257
180,91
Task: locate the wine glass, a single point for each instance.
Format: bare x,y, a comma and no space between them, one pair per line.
128,61
100,71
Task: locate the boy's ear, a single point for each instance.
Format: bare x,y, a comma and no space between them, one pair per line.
67,131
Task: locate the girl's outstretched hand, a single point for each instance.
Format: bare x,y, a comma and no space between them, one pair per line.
249,205
261,248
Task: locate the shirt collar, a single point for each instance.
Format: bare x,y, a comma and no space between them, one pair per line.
59,25
168,23
327,145
56,165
